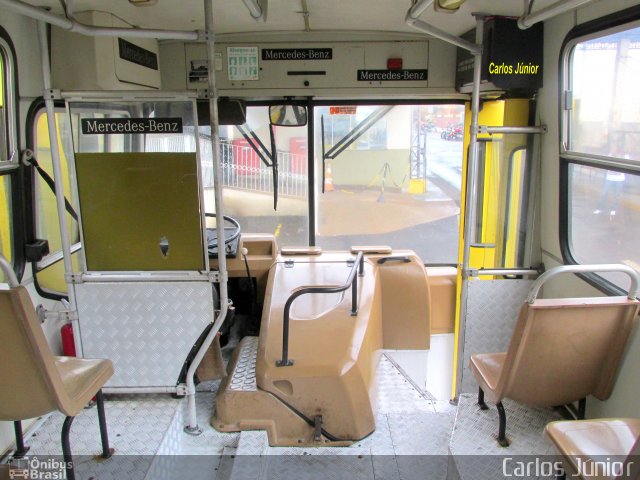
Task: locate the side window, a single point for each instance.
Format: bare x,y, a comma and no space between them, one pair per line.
7,156
601,149
50,271
8,137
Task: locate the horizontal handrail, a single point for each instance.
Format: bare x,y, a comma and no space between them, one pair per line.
475,272
162,276
529,19
484,129
633,275
352,281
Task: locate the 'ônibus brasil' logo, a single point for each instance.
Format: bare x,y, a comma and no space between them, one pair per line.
34,468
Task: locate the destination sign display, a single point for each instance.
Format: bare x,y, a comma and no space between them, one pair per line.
297,53
392,75
138,55
119,126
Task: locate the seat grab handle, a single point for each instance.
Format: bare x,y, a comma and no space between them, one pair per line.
9,274
384,260
613,267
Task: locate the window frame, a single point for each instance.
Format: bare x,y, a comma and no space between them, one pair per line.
14,168
36,109
601,27
9,159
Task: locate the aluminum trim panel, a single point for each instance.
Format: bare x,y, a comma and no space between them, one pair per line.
492,310
146,329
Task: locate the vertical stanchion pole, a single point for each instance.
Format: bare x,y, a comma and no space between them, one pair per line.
57,175
354,296
192,422
470,200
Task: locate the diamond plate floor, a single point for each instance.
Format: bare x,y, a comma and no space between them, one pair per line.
146,432
410,441
137,426
474,447
415,438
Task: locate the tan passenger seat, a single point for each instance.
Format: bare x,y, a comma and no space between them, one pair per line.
561,351
603,448
35,382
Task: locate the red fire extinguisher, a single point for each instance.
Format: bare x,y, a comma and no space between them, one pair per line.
68,343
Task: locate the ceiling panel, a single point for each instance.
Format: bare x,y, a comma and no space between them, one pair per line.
285,15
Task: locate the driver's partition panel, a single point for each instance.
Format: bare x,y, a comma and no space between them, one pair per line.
144,295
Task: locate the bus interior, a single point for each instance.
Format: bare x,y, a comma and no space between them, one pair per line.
319,239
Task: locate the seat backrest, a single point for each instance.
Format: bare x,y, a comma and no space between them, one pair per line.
29,380
565,349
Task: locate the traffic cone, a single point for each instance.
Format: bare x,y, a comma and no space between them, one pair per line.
328,178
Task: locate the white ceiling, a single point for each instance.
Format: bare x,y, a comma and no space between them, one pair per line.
231,16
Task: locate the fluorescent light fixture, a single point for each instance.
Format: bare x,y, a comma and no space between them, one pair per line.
448,6
143,3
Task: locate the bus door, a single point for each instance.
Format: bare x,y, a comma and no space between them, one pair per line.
500,253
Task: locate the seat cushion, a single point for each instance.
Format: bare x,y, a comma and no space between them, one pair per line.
4,472
82,378
486,368
587,439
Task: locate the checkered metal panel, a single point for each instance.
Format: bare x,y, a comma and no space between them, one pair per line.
146,328
396,392
243,377
492,311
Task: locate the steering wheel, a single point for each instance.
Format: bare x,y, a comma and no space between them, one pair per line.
230,235
235,233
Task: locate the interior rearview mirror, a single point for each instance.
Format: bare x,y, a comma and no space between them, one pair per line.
288,115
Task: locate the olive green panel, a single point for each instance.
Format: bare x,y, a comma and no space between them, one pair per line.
130,202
